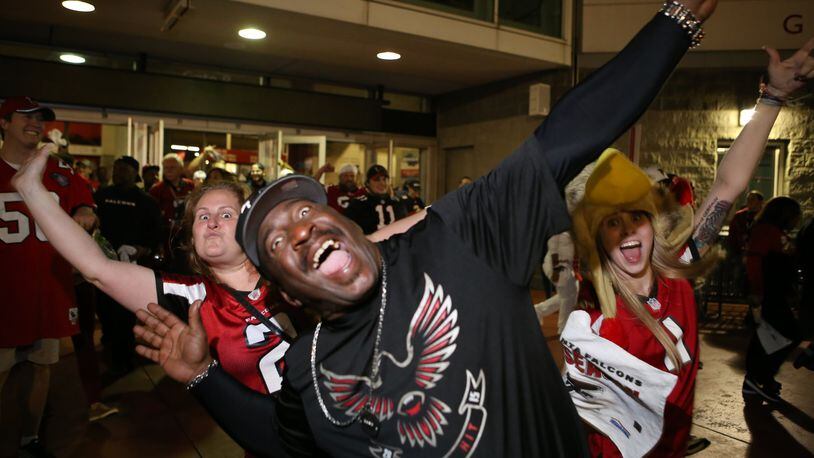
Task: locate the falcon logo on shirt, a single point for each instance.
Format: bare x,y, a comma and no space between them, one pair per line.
420,417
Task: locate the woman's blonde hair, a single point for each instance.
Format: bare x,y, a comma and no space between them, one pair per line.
197,264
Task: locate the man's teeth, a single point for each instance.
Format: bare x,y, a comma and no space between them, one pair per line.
631,244
325,245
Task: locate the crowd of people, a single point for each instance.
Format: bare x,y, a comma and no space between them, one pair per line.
354,320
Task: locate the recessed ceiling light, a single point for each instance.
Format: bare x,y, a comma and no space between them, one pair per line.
252,34
72,58
75,5
388,55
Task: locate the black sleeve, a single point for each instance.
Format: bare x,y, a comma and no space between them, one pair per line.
597,111
507,215
152,222
247,416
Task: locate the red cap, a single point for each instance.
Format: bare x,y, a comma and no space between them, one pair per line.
19,104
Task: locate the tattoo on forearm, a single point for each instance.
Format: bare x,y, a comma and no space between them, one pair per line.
707,231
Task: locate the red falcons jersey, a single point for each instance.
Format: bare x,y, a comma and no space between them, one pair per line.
246,348
339,199
674,307
37,283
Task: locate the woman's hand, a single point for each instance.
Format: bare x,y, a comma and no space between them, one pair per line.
788,76
30,174
179,348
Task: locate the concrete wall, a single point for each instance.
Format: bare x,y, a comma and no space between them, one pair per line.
680,132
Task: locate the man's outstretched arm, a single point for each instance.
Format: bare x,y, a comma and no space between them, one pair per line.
597,111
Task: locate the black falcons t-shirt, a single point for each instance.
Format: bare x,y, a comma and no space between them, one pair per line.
373,212
128,216
465,368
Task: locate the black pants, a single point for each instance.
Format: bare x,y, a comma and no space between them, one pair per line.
760,366
117,332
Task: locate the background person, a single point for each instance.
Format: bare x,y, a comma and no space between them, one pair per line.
341,194
131,221
377,207
38,305
771,267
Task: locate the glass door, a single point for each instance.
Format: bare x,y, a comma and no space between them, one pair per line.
303,154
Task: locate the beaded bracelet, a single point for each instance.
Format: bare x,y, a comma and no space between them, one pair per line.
199,378
685,19
767,98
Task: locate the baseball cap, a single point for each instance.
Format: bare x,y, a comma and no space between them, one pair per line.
131,161
412,183
265,199
19,104
376,170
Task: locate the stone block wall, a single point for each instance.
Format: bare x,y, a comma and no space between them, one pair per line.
680,132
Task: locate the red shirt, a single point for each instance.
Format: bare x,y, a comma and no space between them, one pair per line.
37,283
339,199
171,199
677,314
245,347
763,240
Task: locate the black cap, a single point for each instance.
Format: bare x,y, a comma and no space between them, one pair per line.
376,170
131,161
265,199
412,183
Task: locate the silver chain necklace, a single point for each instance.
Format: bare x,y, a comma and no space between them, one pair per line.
365,416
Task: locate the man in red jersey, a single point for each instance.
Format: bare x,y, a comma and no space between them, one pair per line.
171,194
340,195
38,305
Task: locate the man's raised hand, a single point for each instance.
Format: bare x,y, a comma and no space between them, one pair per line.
180,348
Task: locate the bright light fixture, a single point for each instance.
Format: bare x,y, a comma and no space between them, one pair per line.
252,34
193,148
179,147
72,58
75,5
745,116
388,55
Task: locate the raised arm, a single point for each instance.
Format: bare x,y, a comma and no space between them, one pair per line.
131,285
739,163
597,111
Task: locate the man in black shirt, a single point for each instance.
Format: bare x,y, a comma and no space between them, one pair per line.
131,221
377,207
428,345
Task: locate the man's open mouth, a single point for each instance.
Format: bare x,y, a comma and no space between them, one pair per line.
330,257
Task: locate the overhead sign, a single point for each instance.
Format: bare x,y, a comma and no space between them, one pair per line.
738,25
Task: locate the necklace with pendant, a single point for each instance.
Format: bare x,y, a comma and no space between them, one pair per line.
369,421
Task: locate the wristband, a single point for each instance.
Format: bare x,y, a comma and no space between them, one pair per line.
685,19
199,378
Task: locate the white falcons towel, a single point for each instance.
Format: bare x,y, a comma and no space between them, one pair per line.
618,394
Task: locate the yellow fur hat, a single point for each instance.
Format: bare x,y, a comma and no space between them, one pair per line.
617,184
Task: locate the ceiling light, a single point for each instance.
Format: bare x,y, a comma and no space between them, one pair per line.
388,55
75,5
252,34
72,58
178,147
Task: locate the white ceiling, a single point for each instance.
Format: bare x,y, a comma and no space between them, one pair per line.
297,44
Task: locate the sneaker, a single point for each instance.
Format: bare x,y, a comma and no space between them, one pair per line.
99,410
34,449
768,391
696,444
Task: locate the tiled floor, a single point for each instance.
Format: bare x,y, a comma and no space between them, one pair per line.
159,419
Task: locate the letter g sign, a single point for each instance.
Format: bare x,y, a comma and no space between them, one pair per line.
793,24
